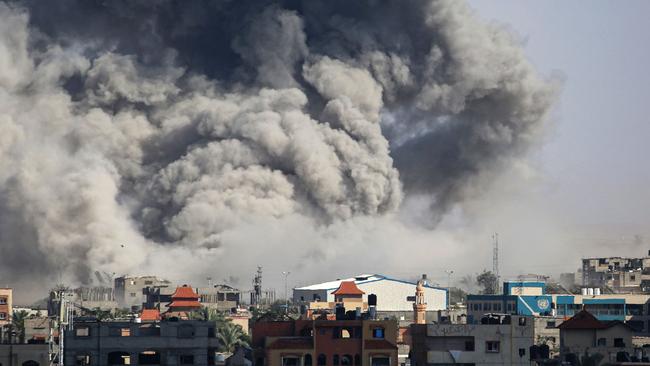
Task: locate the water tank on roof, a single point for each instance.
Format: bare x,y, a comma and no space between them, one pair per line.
583,291
590,291
597,291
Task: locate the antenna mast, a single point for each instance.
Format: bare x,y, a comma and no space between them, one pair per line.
495,259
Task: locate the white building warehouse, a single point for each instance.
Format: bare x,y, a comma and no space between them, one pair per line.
392,294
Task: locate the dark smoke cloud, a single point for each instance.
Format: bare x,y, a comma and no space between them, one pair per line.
168,124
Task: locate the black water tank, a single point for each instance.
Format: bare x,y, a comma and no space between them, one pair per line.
372,300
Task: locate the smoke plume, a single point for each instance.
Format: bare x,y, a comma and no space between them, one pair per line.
182,137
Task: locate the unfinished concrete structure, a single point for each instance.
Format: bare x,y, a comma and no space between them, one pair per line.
147,343
618,274
129,290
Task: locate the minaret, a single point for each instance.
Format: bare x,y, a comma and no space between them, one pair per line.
420,307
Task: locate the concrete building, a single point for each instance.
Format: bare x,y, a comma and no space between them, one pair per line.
498,340
530,299
361,342
129,290
37,329
619,274
394,297
6,306
24,355
94,298
221,297
147,343
585,336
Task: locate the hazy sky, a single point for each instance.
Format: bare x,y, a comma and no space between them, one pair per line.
594,164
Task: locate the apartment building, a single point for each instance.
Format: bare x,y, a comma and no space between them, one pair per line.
147,343
6,305
495,340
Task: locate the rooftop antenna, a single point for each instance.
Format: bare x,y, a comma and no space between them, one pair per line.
495,259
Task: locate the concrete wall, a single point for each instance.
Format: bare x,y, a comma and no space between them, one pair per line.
17,354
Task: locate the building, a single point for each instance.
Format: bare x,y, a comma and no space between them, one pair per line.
395,297
37,329
129,290
496,340
583,335
531,299
618,274
221,297
362,342
6,306
94,298
147,343
24,355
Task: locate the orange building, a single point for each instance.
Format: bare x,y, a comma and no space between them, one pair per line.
6,306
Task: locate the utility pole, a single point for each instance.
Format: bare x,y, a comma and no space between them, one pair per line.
449,272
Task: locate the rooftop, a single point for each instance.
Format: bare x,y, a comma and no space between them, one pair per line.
359,280
348,288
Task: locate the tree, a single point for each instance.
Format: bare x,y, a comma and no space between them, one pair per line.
488,281
18,323
231,336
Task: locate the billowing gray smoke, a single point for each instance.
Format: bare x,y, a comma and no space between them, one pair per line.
134,127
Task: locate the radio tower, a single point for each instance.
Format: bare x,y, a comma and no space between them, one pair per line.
495,260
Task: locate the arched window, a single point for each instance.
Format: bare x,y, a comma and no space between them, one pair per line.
346,360
307,361
336,360
357,360
322,360
30,363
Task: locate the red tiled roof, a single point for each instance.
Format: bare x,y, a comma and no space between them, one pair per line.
184,304
150,315
582,320
292,343
185,292
348,288
379,344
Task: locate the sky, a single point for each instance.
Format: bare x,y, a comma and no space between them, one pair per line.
594,160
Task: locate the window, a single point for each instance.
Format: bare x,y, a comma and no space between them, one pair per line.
492,346
3,316
487,306
522,321
346,360
379,361
378,333
601,342
307,361
469,345
119,358
82,331
3,301
149,358
522,352
618,342
133,294
357,360
148,282
119,332
82,360
550,324
189,359
290,361
322,360
336,360
632,277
